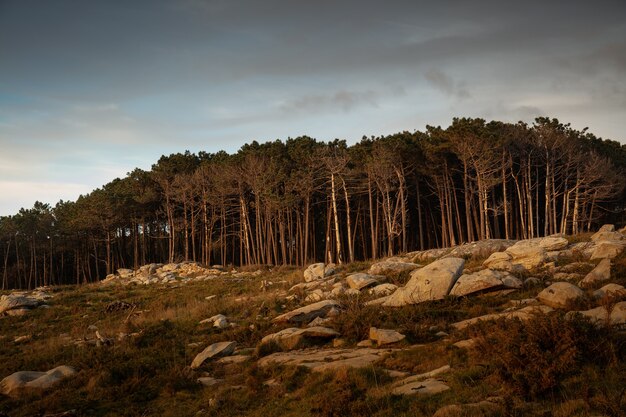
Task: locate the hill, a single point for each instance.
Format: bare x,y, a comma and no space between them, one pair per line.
489,328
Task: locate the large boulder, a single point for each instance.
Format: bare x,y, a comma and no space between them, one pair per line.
215,350
383,289
560,295
309,312
433,282
292,338
318,271
483,281
15,383
602,272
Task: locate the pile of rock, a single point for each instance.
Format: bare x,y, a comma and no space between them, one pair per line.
173,273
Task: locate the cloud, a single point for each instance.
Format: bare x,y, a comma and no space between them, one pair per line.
446,84
344,100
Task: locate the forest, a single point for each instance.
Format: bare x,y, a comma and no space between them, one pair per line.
302,200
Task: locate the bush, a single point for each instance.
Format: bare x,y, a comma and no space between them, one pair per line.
532,358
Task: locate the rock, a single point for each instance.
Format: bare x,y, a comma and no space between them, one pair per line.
320,360
307,313
388,267
600,273
425,375
481,248
608,249
498,260
383,289
433,282
522,314
219,320
17,312
485,280
207,381
318,321
212,351
607,228
603,236
235,359
385,336
560,295
362,280
494,406
465,344
527,256
315,295
614,291
13,384
427,387
17,302
531,282
602,316
365,343
292,338
318,271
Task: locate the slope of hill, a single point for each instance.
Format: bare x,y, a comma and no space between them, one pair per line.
495,327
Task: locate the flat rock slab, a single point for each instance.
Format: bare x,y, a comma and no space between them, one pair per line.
326,359
427,387
212,351
385,336
560,295
31,380
307,313
433,282
292,338
522,314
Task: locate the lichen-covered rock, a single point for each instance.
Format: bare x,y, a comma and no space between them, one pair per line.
427,387
18,302
433,282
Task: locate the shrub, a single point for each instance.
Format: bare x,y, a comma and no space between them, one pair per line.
532,358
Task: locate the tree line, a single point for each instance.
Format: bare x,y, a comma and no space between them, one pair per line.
303,200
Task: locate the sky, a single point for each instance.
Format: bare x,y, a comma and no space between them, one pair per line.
90,89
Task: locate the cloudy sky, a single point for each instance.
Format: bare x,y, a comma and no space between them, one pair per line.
90,90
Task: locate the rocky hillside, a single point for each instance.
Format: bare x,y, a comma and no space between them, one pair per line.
496,327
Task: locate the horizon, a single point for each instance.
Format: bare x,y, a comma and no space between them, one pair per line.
88,92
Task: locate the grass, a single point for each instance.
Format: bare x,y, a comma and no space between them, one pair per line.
148,374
